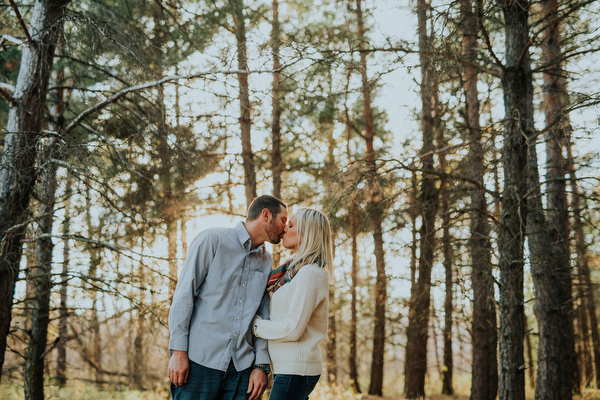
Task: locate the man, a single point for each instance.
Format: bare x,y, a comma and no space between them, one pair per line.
220,289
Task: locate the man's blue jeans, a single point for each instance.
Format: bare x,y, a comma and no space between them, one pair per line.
292,387
210,384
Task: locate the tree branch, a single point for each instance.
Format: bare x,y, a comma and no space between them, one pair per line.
9,38
20,18
7,96
99,106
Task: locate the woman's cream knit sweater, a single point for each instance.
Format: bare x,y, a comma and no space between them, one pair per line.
298,323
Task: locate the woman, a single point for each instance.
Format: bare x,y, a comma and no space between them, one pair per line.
299,307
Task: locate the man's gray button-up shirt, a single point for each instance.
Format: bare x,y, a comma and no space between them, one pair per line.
220,289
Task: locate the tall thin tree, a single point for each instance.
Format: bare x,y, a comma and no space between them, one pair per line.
484,380
18,171
375,207
518,123
582,263
418,318
239,30
548,232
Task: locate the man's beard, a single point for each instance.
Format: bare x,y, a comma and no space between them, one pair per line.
273,233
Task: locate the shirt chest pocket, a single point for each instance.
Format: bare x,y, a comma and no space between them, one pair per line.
257,284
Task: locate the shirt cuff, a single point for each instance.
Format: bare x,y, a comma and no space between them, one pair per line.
178,343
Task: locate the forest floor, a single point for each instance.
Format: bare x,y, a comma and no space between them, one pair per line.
90,392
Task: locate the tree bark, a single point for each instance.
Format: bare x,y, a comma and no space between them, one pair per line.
484,380
41,274
63,318
353,215
139,361
447,369
518,124
418,318
548,234
582,263
95,261
18,172
276,159
332,342
584,353
376,215
448,365
244,97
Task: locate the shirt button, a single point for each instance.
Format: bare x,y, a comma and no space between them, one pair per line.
240,301
237,317
235,335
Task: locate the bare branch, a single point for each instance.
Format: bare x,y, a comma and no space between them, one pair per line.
8,97
488,43
20,18
9,38
99,106
446,176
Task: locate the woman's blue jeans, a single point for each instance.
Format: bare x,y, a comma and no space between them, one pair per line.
210,384
292,387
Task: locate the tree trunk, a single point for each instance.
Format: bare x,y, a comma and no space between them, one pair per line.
448,367
518,89
484,380
244,97
139,361
551,269
276,159
41,274
332,341
18,172
61,347
95,260
583,268
585,355
413,213
376,215
418,318
352,356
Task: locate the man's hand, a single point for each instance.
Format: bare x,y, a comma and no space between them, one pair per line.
179,368
257,385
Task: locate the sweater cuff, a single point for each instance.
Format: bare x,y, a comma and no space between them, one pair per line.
255,324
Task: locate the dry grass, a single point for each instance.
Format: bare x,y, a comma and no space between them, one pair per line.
321,392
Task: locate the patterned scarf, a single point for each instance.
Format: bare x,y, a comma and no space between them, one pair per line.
281,275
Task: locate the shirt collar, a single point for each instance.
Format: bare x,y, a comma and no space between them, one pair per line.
245,239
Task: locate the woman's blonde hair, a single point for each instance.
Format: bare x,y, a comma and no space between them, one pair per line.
314,236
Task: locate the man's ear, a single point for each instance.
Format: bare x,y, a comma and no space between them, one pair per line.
266,214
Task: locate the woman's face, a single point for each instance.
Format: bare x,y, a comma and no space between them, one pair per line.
291,239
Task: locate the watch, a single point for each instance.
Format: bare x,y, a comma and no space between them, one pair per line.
266,368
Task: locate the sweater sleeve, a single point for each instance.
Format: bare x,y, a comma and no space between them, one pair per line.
305,297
